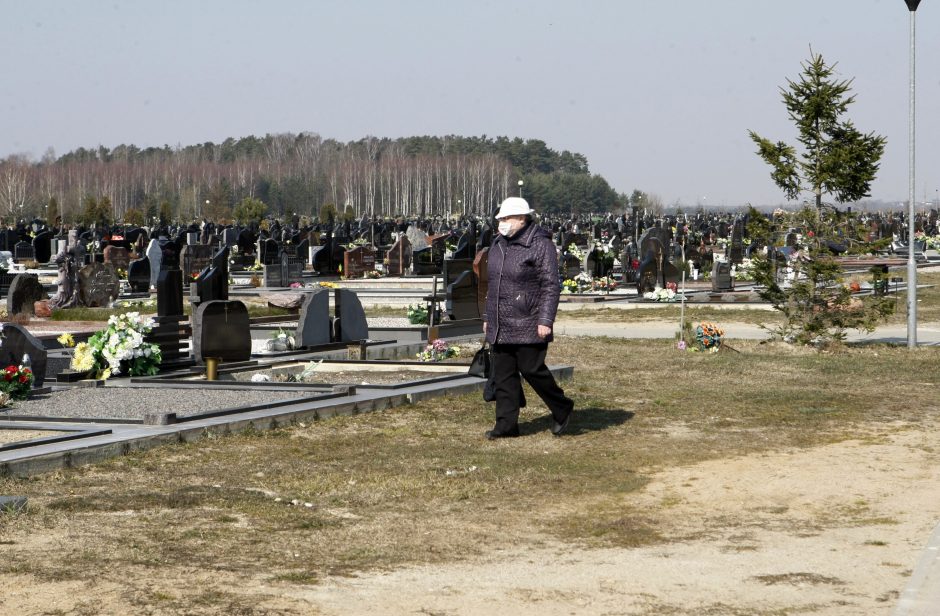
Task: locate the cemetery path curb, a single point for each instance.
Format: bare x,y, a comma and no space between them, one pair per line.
922,594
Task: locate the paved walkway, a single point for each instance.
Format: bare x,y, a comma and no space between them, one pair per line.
928,334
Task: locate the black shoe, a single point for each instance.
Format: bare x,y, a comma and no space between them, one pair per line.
559,428
492,435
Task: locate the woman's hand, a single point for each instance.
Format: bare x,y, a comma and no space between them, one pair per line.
544,331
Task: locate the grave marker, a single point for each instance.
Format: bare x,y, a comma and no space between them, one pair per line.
98,285
15,342
221,330
313,323
24,291
358,261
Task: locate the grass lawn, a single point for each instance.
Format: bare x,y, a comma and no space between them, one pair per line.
419,484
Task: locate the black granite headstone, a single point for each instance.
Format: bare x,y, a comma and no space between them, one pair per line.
15,342
170,293
138,275
212,282
461,299
221,330
721,277
313,324
350,324
42,246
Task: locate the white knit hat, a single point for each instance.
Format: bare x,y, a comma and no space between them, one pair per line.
514,206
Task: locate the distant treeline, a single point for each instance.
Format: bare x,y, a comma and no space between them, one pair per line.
303,173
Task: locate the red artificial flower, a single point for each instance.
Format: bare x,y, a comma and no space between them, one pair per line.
24,378
7,376
810,234
27,371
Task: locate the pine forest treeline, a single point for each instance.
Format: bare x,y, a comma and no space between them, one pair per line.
300,174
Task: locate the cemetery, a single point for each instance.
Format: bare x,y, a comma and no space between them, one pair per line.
182,299
331,361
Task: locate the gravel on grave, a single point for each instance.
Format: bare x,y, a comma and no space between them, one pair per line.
135,402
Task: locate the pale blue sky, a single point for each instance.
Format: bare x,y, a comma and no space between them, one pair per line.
657,94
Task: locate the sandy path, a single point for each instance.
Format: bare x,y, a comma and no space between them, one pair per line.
833,530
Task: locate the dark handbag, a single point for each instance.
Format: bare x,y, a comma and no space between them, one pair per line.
481,366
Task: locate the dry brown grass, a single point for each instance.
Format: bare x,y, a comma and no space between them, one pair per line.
420,485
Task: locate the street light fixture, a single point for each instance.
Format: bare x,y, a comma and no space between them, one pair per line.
520,187
911,263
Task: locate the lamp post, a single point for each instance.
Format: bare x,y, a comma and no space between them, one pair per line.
911,263
520,187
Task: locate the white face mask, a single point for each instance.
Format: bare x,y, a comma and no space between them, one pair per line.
504,228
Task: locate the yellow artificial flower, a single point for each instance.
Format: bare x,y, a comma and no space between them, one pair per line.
66,340
83,360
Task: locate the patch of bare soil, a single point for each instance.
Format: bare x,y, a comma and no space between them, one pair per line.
831,530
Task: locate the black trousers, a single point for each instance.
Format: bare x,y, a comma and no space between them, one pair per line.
509,362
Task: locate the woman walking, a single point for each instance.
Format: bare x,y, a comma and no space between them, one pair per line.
521,302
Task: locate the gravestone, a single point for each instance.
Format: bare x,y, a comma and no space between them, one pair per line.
271,276
313,323
170,293
430,260
721,277
599,263
24,291
358,261
221,329
98,285
655,270
138,275
23,252
15,342
171,331
417,238
229,236
465,246
736,247
462,300
292,269
399,257
569,267
155,258
350,324
303,250
193,259
212,282
8,239
327,258
117,256
268,251
42,246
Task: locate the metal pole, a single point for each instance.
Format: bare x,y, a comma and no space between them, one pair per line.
911,263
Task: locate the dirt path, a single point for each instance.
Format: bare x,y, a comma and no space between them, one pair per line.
833,530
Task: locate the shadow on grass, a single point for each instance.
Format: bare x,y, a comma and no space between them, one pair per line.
584,420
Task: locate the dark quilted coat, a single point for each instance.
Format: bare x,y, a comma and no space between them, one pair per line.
522,291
